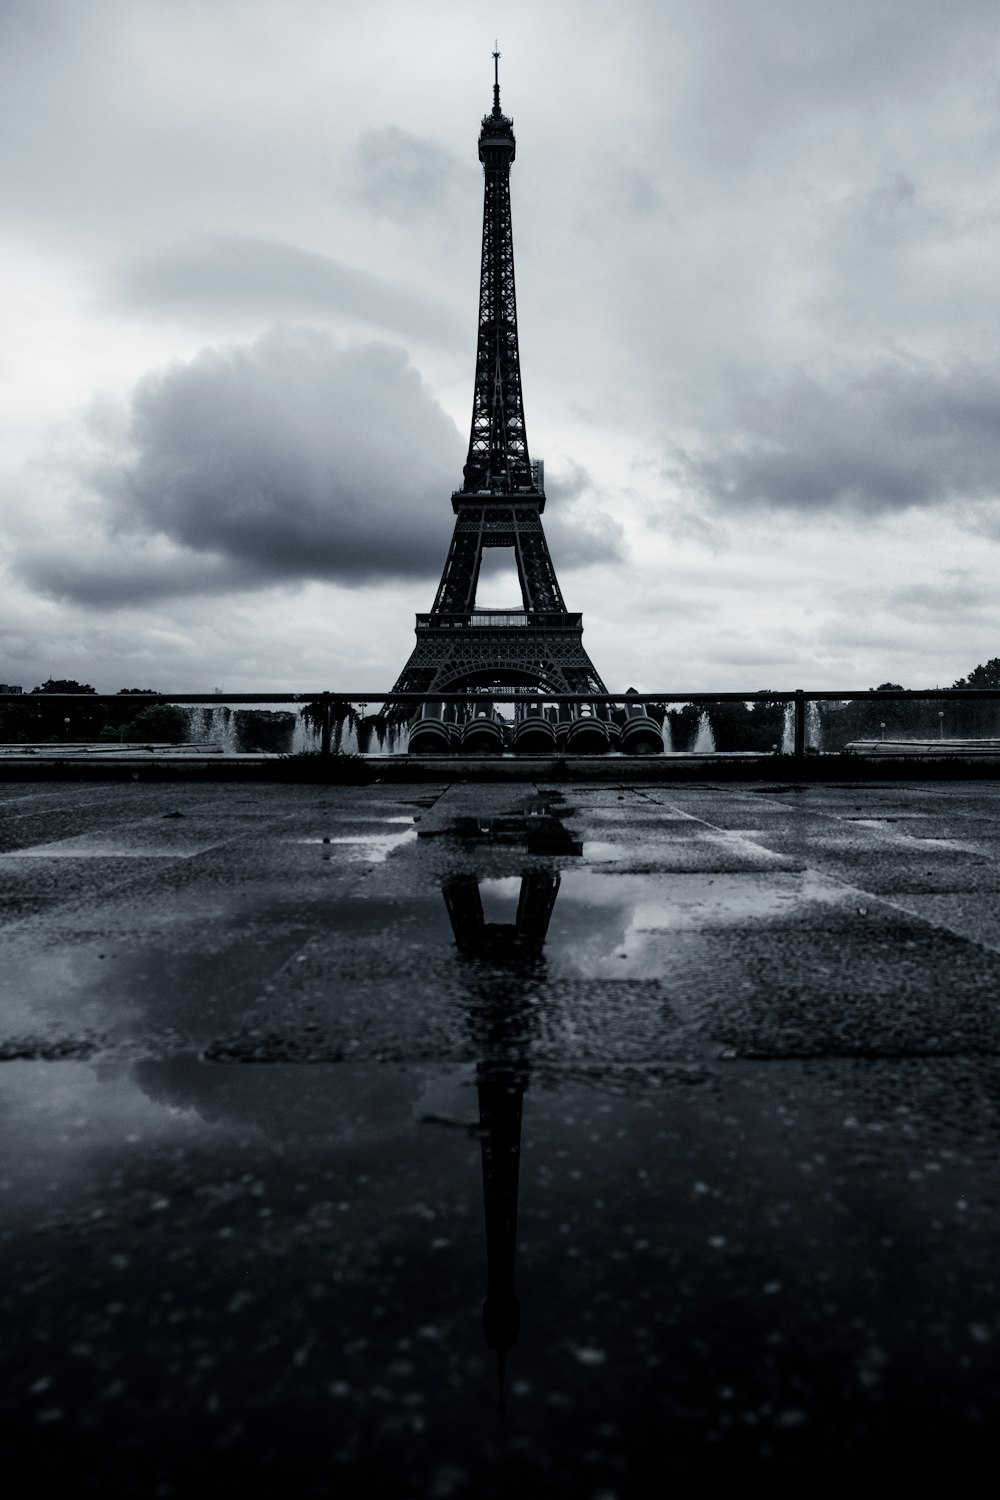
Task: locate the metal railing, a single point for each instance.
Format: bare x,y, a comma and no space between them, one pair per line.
326,705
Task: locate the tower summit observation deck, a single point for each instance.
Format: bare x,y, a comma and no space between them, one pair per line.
539,646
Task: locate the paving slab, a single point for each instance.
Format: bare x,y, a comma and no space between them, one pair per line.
468,1140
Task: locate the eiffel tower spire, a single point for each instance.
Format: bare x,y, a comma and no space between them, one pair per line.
498,446
538,646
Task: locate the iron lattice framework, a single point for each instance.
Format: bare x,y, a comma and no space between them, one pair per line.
498,446
501,500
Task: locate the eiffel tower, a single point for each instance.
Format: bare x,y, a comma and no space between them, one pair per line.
540,646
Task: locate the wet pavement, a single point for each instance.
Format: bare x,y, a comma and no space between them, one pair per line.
458,1140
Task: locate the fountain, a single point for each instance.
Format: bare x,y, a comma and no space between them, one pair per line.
788,730
680,728
270,728
704,740
814,728
211,725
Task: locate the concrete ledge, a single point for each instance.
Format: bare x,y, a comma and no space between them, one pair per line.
359,770
928,749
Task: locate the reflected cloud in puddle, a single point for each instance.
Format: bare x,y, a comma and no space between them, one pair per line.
500,898
64,1121
696,846
69,1125
886,827
126,846
598,851
613,926
369,848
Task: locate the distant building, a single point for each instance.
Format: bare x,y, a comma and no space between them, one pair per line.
7,687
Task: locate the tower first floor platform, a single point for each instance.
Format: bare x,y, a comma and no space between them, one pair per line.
494,648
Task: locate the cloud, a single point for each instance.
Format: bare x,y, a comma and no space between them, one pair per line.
805,196
404,177
99,576
270,280
899,435
957,596
368,1108
578,533
290,458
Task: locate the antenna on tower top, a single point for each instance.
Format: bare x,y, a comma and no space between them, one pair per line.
496,79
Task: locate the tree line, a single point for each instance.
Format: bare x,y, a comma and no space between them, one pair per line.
38,718
760,726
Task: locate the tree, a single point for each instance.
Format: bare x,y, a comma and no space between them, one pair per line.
877,719
144,692
46,716
164,722
986,675
977,720
681,724
750,725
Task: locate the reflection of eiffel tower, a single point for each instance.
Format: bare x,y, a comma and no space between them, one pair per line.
537,825
504,942
502,1020
500,504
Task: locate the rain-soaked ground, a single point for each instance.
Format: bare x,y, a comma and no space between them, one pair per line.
282,1064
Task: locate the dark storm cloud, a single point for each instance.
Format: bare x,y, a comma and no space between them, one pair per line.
904,434
269,280
289,458
100,576
406,177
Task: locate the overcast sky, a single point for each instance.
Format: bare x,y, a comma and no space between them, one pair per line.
759,304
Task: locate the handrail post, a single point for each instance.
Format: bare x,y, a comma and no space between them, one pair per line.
327,728
800,725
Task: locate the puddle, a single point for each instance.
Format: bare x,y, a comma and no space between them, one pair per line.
595,925
500,898
886,827
369,848
356,817
362,1263
537,827
618,926
113,848
91,987
363,1252
702,847
908,817
597,851
957,846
